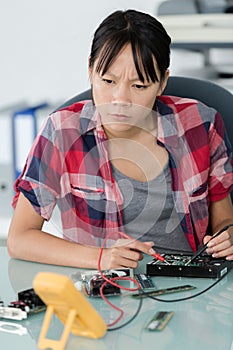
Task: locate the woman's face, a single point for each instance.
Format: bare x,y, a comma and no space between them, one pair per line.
123,101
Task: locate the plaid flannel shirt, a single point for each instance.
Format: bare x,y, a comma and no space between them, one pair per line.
68,165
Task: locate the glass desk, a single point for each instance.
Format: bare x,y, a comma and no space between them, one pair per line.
204,322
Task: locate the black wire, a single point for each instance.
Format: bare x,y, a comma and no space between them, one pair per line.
162,300
133,317
165,301
189,297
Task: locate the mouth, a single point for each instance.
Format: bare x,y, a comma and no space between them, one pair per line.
119,117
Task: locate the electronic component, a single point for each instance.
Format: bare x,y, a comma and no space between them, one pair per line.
87,274
92,285
20,305
92,281
145,281
28,302
159,320
12,313
31,300
202,266
154,293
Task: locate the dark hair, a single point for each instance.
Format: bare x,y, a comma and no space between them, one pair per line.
148,38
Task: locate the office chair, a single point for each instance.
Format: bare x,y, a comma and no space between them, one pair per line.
209,93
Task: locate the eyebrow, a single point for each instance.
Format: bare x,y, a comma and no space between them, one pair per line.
114,76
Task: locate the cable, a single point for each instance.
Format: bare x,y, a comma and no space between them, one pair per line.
112,282
189,297
132,318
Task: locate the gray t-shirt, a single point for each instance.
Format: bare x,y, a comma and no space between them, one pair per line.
149,213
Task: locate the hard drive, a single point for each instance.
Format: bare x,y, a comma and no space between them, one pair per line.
203,266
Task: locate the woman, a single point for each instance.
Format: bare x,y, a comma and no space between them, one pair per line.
129,170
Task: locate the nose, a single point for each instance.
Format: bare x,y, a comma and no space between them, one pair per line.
121,95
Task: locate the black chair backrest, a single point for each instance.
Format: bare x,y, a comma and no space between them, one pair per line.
209,93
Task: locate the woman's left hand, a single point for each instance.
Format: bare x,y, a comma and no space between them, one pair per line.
220,246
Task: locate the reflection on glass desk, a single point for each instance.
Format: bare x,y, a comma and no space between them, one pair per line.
204,322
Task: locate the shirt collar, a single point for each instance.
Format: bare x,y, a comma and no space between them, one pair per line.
167,126
89,118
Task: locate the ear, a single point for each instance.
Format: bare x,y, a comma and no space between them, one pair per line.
163,83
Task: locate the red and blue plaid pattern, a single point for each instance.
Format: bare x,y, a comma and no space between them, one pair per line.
68,165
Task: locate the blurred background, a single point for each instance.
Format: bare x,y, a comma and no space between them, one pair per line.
44,53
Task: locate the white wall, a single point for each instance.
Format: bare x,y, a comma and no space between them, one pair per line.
45,45
44,48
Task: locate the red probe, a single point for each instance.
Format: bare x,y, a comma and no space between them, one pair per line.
158,257
155,255
161,258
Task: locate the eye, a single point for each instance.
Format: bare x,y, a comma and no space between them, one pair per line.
140,87
108,81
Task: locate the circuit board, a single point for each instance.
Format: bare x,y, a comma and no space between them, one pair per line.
145,282
203,266
159,320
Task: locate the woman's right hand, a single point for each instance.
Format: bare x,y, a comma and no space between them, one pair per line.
125,253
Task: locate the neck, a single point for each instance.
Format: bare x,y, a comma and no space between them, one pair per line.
137,133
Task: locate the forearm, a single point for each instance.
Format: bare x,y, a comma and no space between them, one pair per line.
39,246
27,241
35,245
221,214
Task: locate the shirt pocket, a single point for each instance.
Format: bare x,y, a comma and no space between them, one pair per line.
87,187
88,193
88,200
200,192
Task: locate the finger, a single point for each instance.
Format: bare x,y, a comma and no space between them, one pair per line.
126,253
122,261
217,248
224,236
141,257
150,244
206,239
123,242
219,243
222,253
143,247
131,254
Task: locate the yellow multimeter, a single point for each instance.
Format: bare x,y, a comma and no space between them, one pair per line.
70,306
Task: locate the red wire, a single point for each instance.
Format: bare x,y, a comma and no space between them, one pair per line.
111,281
